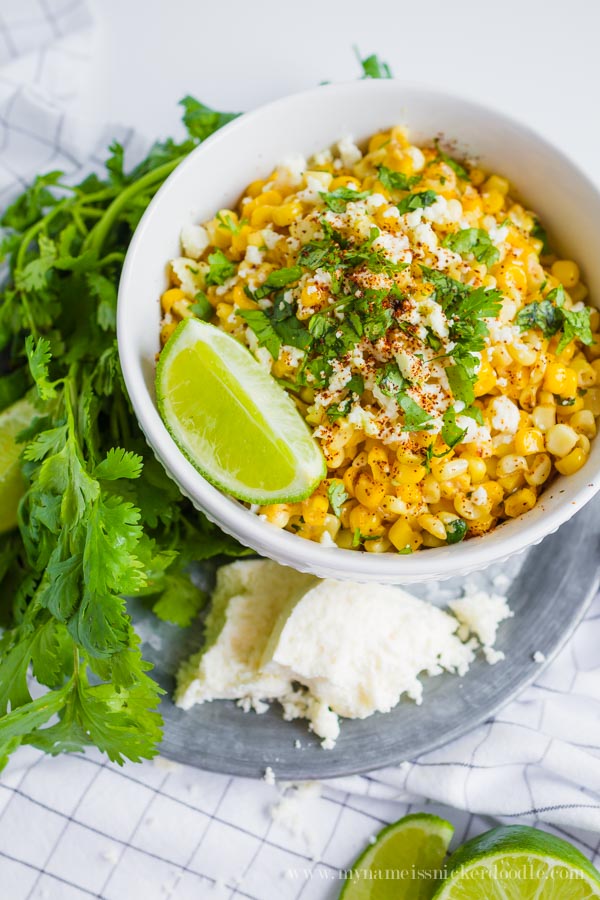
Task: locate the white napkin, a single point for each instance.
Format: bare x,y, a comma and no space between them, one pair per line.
76,827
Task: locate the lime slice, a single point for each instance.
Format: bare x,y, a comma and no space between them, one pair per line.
232,420
12,485
403,863
519,863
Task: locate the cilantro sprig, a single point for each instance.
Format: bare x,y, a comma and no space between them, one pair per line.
476,241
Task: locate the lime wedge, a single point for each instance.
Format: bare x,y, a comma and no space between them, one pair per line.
232,420
12,485
519,863
403,863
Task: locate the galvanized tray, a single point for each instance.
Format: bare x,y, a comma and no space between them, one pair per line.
549,589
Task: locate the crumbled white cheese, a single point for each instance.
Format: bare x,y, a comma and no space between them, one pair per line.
269,776
481,613
349,152
474,432
293,810
291,172
194,240
505,415
271,238
187,274
539,657
253,255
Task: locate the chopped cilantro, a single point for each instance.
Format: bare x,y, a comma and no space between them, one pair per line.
336,200
417,201
202,307
221,268
262,327
356,384
337,495
278,279
540,314
456,531
550,316
390,380
415,417
461,383
226,221
339,410
476,241
452,434
396,181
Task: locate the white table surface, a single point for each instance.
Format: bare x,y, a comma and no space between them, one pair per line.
536,59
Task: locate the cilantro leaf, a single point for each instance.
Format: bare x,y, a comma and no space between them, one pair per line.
119,463
278,279
540,314
373,67
390,380
201,121
456,531
461,383
415,417
221,268
476,241
417,201
202,307
576,326
263,328
337,200
452,434
180,601
396,181
38,357
337,494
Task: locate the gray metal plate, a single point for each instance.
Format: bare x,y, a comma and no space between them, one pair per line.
550,588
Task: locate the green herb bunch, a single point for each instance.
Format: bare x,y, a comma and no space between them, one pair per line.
100,519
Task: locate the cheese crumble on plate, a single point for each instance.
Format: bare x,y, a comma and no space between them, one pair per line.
327,649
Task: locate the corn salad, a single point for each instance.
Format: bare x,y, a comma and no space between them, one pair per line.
445,359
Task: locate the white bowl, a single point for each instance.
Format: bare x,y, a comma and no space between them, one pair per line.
215,175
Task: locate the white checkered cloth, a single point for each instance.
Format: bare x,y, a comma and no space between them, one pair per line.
77,827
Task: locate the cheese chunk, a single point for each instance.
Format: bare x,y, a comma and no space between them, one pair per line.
359,648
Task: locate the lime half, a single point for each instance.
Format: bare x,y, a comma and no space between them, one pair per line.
404,863
519,863
232,420
12,485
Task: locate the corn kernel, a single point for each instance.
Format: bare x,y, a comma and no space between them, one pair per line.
403,537
528,441
382,545
315,509
544,417
493,202
560,440
379,463
571,463
520,502
433,525
166,331
368,491
365,520
539,470
566,271
170,297
477,468
560,380
497,183
584,423
408,473
287,213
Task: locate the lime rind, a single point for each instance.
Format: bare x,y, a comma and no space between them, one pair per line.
269,403
516,842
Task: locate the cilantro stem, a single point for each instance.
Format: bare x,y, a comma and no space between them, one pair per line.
35,229
99,233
